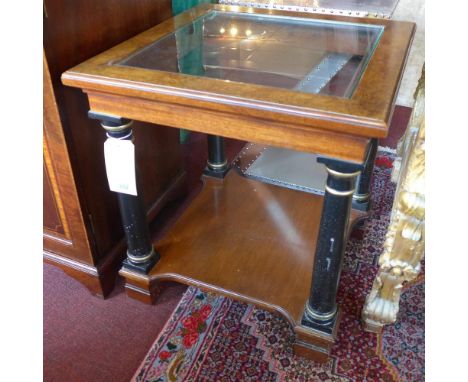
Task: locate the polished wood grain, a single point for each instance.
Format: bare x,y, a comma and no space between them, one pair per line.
248,240
51,219
68,236
92,236
295,116
58,171
237,126
76,31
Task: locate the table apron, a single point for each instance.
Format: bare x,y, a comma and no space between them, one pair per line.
341,146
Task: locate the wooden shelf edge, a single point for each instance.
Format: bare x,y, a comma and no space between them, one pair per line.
184,237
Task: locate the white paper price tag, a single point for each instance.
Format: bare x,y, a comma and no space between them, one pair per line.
120,165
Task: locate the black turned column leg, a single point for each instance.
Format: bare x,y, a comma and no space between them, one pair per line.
141,255
361,198
217,162
320,312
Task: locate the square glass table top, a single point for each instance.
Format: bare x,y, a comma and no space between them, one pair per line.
310,82
301,54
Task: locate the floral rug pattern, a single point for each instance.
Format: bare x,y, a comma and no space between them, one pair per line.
213,338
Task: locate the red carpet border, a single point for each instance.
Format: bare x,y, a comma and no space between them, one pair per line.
213,338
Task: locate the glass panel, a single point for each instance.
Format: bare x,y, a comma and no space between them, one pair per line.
179,6
311,56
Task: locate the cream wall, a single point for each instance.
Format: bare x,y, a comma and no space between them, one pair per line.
411,10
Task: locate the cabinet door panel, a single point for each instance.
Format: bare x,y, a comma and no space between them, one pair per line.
51,217
64,229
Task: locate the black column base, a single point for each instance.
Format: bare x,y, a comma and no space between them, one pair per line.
220,174
145,267
364,205
361,199
328,327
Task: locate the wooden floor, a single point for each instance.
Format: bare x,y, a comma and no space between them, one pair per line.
248,240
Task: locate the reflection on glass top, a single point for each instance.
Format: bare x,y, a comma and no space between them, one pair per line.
305,55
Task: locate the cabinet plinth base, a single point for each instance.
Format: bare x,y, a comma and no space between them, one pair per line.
250,241
315,344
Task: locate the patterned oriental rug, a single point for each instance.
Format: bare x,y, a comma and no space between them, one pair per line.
213,338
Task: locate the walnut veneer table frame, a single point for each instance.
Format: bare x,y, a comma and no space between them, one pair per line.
278,248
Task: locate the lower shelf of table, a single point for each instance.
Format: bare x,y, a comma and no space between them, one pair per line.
248,240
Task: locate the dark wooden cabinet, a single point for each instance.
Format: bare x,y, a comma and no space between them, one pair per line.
82,229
